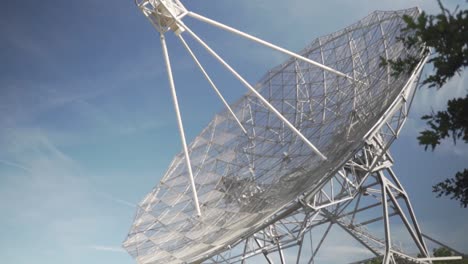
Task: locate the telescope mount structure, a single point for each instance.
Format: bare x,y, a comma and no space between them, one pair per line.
304,152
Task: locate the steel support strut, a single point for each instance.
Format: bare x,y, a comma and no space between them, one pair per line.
339,201
365,183
179,122
170,19
268,44
254,91
207,77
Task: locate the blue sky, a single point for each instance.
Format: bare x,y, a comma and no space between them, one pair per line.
87,127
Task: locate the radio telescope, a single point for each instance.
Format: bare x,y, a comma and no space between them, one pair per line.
302,149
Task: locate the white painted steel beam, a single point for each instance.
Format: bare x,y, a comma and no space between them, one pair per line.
255,92
207,77
268,44
179,122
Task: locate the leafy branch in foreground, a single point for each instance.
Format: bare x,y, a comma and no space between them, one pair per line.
446,35
456,187
450,123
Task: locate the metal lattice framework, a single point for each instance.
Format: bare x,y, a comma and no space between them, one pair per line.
328,114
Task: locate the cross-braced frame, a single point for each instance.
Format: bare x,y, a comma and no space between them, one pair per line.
298,151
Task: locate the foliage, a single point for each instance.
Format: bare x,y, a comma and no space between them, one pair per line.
446,35
442,252
399,260
456,187
445,252
377,260
450,123
437,252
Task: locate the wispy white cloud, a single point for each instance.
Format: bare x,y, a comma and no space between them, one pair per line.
448,148
451,233
108,249
429,100
54,196
19,36
116,200
15,165
432,99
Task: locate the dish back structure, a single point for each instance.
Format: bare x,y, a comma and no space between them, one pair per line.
248,165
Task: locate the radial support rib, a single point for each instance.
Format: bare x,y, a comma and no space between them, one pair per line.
179,122
268,44
388,242
211,82
255,92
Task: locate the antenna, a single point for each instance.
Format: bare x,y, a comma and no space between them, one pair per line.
299,150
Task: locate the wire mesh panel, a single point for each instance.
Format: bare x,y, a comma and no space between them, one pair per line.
243,179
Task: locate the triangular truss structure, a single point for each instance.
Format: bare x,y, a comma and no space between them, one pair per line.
300,150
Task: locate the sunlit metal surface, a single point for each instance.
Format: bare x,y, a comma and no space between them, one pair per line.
244,179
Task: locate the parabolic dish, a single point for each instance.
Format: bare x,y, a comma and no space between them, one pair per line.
243,180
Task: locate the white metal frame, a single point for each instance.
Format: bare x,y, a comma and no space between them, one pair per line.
367,175
166,15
